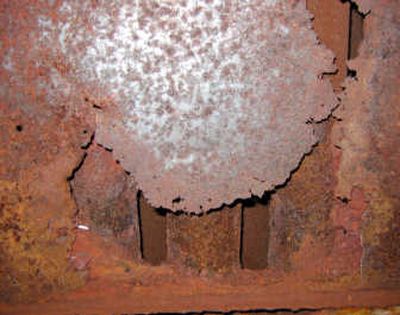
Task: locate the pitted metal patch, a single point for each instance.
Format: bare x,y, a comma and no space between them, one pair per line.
204,101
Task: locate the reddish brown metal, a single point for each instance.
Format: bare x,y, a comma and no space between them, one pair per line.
106,201
301,228
367,139
153,227
206,244
334,232
255,234
328,16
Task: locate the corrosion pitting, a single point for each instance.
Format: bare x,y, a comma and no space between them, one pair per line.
203,102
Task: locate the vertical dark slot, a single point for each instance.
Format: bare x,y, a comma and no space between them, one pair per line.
139,224
255,233
153,230
356,31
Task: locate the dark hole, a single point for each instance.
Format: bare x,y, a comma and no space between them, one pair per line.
344,199
352,73
19,128
177,200
356,34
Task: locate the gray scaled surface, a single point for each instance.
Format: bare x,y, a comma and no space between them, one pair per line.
204,101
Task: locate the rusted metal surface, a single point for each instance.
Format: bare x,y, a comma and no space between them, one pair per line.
153,224
197,296
204,102
41,146
196,136
255,229
304,235
333,15
345,311
105,197
207,244
334,227
367,139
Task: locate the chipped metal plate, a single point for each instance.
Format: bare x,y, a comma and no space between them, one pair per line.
204,102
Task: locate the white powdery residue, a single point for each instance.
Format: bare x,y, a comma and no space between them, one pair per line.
44,22
270,2
66,8
45,26
275,72
7,62
62,36
167,69
282,29
183,161
83,227
186,74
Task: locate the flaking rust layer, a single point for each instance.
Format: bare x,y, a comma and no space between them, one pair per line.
203,102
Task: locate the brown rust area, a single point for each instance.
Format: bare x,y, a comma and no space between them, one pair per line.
336,218
41,145
190,294
37,210
106,199
344,311
300,214
301,225
153,229
209,243
255,229
331,23
368,136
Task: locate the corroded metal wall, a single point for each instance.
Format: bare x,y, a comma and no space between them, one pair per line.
75,224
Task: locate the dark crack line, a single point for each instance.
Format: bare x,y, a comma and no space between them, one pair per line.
238,312
76,169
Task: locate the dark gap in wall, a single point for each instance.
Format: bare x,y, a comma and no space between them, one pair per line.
356,30
356,35
153,232
255,233
352,73
138,195
77,168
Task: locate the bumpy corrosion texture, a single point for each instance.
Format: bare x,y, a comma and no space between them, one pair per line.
203,101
